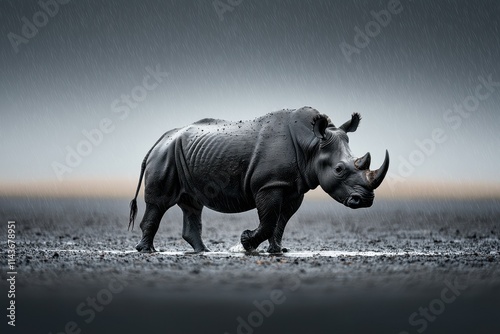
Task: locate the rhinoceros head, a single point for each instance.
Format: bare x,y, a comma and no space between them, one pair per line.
345,178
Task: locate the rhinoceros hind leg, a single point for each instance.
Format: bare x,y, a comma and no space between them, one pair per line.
192,226
149,226
143,248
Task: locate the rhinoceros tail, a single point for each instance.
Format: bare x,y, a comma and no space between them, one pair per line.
133,203
133,213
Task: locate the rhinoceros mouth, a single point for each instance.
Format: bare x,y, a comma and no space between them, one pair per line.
355,201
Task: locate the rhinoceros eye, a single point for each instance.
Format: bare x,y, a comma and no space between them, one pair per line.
339,169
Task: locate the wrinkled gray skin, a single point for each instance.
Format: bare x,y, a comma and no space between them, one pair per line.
268,163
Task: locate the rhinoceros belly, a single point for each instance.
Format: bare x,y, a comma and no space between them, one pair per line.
216,167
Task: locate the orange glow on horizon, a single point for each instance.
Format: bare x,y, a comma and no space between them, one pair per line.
125,188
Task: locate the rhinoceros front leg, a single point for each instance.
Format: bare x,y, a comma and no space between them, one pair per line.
274,210
191,226
288,209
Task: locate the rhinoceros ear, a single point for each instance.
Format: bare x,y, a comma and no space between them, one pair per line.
352,124
320,123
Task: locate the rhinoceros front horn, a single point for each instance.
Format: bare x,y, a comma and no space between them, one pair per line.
376,177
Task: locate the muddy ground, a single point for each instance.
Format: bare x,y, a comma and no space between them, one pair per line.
400,267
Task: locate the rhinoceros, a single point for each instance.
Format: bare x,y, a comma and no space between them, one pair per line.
268,163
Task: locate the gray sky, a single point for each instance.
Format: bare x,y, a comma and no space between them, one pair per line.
263,56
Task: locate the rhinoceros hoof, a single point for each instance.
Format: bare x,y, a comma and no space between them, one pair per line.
245,240
274,249
198,251
142,248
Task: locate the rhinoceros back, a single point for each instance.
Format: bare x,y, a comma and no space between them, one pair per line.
223,164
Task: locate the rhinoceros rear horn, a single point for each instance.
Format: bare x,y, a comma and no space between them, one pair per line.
376,177
363,163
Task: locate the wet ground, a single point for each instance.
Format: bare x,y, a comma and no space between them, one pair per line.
398,267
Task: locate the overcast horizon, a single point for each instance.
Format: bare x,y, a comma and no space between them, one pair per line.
427,84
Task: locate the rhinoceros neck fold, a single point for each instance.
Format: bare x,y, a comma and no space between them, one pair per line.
304,158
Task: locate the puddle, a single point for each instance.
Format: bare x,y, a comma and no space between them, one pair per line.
237,253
